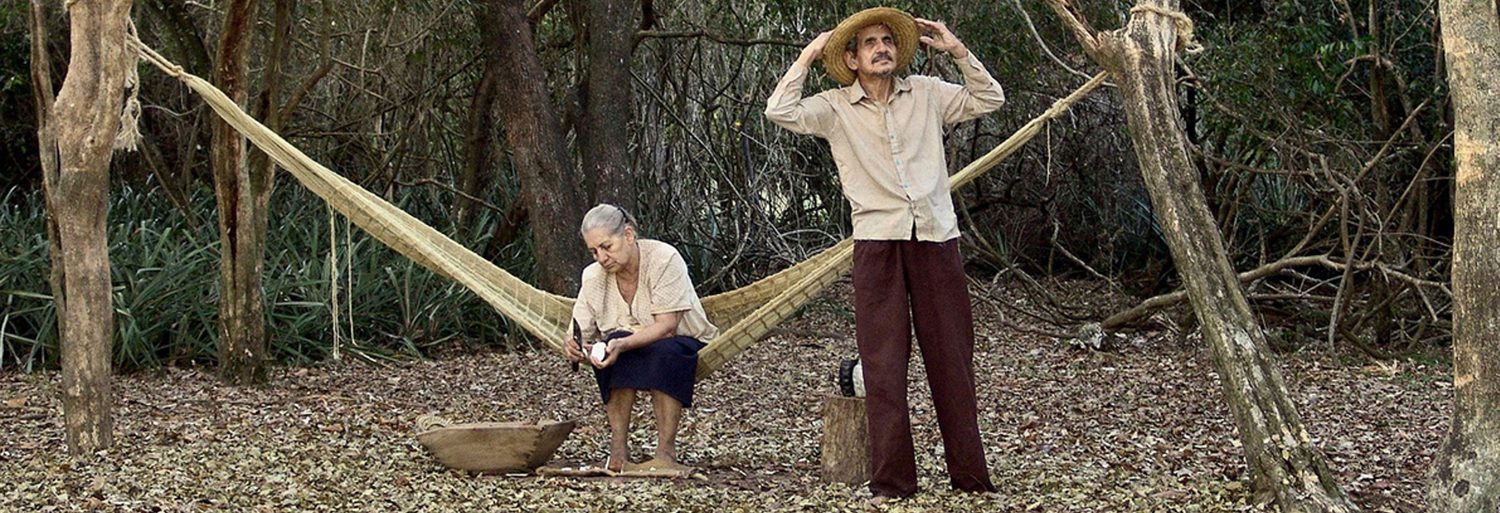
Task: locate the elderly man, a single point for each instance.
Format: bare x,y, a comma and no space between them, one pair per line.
886,135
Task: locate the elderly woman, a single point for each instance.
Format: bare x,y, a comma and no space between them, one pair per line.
637,298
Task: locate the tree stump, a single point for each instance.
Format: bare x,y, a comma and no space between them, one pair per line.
846,441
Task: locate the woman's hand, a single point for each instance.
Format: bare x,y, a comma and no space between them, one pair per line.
571,351
612,350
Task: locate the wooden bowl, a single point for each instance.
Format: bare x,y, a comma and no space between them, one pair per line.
495,447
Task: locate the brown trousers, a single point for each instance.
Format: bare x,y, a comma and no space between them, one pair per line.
898,285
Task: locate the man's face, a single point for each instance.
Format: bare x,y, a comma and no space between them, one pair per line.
874,52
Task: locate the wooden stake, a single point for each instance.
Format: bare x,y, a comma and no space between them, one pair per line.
846,441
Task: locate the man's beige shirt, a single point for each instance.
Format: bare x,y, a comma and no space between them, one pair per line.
890,157
663,286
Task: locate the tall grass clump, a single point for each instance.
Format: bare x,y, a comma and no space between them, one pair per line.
166,285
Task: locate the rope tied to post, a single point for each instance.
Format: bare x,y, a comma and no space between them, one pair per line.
1185,41
145,52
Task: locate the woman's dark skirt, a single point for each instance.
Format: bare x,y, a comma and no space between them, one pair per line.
666,365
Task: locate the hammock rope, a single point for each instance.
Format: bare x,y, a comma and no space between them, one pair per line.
745,314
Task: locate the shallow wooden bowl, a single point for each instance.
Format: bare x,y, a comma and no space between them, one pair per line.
495,447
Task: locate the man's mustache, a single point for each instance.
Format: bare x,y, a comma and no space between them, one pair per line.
883,56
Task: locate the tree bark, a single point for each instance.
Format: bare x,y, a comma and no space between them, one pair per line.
605,135
83,121
242,192
1466,473
549,189
1284,464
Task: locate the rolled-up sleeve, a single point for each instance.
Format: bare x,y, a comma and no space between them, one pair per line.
788,109
979,95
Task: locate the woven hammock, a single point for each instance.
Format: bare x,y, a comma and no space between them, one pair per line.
744,314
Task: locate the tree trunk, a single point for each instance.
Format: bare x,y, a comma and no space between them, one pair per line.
479,127
1466,473
1379,112
43,96
242,192
181,34
1283,462
605,135
549,189
83,121
479,133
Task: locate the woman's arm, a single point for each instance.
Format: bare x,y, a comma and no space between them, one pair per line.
665,326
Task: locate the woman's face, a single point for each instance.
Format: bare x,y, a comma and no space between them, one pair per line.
613,251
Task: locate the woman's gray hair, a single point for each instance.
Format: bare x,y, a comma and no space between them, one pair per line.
607,217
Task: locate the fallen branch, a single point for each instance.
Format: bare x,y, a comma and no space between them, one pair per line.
1151,305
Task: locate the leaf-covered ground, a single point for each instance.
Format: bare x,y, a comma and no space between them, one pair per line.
1137,428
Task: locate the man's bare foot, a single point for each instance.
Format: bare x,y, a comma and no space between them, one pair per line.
615,463
882,499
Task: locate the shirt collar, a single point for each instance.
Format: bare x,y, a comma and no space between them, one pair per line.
855,92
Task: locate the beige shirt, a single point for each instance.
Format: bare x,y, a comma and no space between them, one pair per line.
890,157
663,286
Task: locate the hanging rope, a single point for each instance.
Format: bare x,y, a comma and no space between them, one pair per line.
1185,41
129,135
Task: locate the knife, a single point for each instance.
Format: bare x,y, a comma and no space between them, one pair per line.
577,339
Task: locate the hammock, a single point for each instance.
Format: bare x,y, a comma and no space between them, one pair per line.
744,314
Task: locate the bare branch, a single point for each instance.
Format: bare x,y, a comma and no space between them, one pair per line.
1043,43
540,11
1074,20
718,38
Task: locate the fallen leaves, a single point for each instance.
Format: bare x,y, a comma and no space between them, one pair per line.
1142,428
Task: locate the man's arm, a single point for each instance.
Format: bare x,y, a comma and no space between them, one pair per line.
787,108
979,95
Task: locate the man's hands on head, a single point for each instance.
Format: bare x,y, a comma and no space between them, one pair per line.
940,38
814,50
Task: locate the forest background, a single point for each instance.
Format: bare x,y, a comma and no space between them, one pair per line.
1318,128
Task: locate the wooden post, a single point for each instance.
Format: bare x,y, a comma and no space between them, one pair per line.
846,441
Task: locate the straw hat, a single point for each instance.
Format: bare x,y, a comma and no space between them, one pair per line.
903,28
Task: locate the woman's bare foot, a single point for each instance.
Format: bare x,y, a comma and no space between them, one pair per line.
615,464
